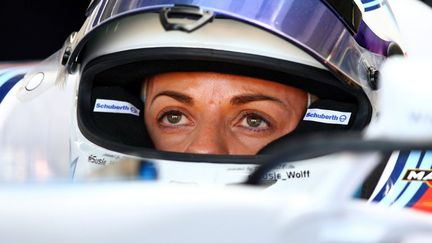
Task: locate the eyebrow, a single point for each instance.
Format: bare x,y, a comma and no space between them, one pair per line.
236,100
243,99
175,95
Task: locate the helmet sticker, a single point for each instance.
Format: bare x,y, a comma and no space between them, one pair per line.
115,106
422,175
327,116
95,160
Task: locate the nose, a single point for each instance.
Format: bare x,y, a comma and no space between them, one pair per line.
209,140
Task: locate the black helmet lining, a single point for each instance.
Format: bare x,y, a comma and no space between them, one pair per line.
119,76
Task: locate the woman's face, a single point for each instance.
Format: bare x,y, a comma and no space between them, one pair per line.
213,113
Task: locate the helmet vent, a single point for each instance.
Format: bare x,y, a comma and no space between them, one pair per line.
186,18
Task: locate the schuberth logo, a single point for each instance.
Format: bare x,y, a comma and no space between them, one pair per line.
419,175
327,116
115,106
342,118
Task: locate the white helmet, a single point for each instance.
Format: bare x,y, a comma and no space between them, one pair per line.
323,47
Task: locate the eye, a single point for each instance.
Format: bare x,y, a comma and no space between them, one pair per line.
255,122
175,118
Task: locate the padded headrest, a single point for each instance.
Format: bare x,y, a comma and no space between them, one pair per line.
127,127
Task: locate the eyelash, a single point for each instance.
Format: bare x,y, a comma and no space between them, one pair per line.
167,111
245,114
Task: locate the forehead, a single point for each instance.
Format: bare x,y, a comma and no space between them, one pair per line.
193,81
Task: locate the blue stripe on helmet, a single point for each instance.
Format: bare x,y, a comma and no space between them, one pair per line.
397,170
420,192
370,5
7,86
403,193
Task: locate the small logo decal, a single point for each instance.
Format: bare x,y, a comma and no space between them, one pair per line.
115,106
420,175
95,160
327,116
342,118
286,175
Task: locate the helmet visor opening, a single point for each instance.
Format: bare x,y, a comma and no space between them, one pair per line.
111,110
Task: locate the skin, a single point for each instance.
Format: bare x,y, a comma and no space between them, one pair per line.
214,113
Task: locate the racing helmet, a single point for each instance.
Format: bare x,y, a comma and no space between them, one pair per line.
323,47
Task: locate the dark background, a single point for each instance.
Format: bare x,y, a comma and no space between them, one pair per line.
34,29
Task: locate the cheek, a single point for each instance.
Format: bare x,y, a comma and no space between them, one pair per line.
163,141
168,142
251,146
246,147
241,143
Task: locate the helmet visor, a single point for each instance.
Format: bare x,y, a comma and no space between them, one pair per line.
309,24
